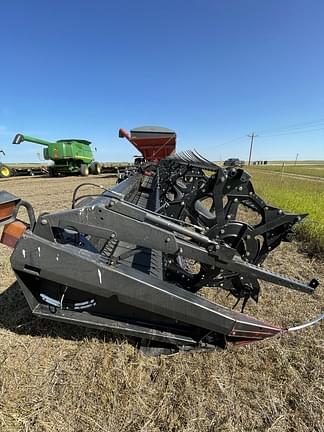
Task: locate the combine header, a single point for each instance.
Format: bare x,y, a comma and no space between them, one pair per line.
133,259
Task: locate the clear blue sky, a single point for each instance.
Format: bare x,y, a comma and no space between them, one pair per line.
213,70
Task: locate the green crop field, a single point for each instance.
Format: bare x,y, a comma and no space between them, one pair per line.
316,170
298,195
299,162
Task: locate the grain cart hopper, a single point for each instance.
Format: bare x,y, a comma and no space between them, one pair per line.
70,156
153,142
134,260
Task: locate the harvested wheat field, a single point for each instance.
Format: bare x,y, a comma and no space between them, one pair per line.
55,377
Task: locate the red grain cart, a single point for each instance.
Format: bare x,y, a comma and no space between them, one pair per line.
153,142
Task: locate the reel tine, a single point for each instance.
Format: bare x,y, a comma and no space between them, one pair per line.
236,303
199,159
194,157
187,156
184,155
203,159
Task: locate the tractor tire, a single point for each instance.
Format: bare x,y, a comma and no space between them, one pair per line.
84,170
5,172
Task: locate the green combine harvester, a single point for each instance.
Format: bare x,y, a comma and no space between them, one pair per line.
70,156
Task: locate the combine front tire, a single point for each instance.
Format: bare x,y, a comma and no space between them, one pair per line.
84,170
5,171
95,168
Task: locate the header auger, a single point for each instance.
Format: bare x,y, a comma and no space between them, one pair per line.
133,259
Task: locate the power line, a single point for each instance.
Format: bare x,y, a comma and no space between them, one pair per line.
230,141
293,129
294,126
292,133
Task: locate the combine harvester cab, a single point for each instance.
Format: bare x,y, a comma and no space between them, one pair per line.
134,259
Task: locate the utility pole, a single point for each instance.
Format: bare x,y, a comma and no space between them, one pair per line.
252,136
296,158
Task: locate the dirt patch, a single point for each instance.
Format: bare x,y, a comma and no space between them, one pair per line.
56,377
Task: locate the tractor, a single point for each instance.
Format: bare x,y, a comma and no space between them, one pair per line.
5,171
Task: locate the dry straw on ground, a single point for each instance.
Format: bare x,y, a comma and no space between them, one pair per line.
57,377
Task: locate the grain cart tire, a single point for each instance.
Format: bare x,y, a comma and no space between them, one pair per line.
84,170
95,168
5,171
